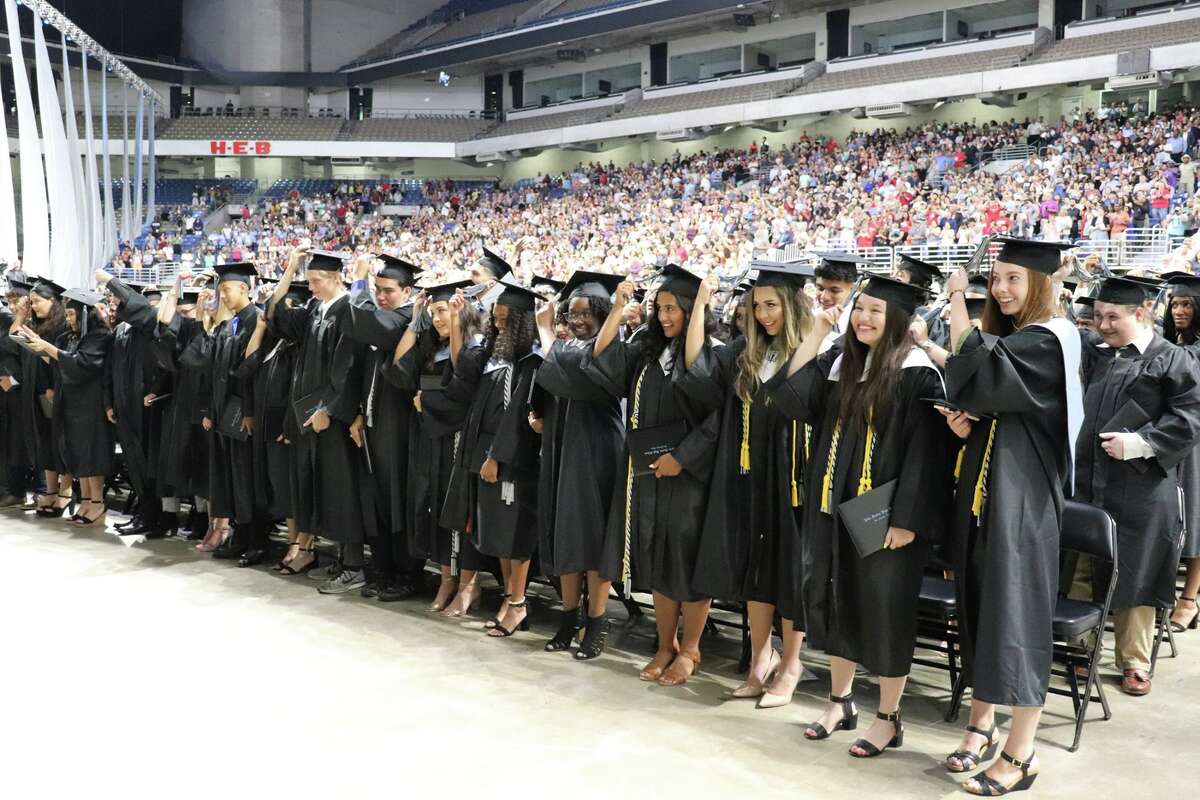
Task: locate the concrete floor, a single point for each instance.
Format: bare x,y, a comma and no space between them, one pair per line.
144,669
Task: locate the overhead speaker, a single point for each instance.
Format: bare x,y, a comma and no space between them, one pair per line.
743,20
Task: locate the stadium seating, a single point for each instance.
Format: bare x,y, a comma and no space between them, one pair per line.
481,22
251,128
743,93
433,128
933,67
1170,32
547,121
178,191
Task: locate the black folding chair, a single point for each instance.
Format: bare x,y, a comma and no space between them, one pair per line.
937,630
1078,630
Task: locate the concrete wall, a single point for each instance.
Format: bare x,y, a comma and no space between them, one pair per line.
245,34
343,30
463,94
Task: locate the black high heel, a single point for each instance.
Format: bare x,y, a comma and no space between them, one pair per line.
848,722
501,632
53,511
1191,625
990,787
77,517
495,621
970,760
309,567
595,634
870,750
568,626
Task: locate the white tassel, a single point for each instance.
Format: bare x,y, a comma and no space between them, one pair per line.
508,492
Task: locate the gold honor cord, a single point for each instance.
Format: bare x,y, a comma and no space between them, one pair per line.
633,425
792,476
744,458
979,499
864,480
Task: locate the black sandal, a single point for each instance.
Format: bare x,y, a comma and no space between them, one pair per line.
970,760
568,627
990,787
77,517
1194,623
52,511
848,722
309,567
84,521
897,737
495,621
504,632
281,563
594,636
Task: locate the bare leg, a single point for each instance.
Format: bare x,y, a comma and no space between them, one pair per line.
666,619
1019,745
598,591
515,611
505,574
695,615
64,490
48,499
841,684
762,655
983,716
572,590
1185,610
468,594
445,590
788,675
881,731
303,546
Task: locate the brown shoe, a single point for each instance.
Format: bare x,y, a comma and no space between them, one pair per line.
1136,682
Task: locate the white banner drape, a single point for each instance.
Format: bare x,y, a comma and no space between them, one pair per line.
60,185
152,174
9,251
80,266
126,223
135,223
96,255
110,218
35,226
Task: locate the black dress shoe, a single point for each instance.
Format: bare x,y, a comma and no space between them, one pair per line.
252,557
132,522
396,590
370,591
160,533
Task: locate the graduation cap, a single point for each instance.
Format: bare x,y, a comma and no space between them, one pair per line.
444,291
639,296
975,306
679,281
1152,284
1071,285
188,296
1122,291
591,284
1184,284
18,287
782,274
152,290
398,270
540,281
516,296
325,261
1085,307
296,290
920,272
495,264
977,283
80,300
839,266
242,271
906,296
47,288
1043,257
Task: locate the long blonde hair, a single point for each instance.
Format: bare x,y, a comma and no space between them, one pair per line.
797,323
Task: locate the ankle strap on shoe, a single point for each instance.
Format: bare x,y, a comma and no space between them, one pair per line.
1021,765
892,717
517,603
987,734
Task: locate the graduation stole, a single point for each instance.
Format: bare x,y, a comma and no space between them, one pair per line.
865,483
633,425
979,498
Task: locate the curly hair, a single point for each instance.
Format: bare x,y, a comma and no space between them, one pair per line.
53,324
515,341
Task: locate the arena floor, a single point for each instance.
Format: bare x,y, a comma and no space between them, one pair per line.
147,670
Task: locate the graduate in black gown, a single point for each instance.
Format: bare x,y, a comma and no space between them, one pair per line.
136,377
423,366
498,452
653,535
1181,327
582,432
1022,367
873,430
380,311
81,429
1129,466
327,391
18,475
924,275
750,543
41,312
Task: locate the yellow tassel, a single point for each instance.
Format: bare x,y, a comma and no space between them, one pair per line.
864,480
831,463
981,484
744,460
958,462
795,487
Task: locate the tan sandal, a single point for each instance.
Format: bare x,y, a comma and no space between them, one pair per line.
673,676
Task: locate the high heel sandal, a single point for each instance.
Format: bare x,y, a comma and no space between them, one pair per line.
1193,623
53,510
288,570
494,621
474,593
595,635
76,517
437,607
501,632
848,722
283,562
652,672
670,678
870,750
968,760
748,692
215,538
84,521
568,627
985,786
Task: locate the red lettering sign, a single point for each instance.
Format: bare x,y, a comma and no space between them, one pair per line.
240,148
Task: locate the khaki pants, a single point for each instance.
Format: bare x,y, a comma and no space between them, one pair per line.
1134,627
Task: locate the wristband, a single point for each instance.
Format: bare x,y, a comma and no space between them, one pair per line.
957,291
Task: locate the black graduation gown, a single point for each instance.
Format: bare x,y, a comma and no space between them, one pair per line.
135,371
387,411
231,460
327,467
37,377
865,609
1146,504
657,521
503,515
183,455
1006,570
13,450
750,542
81,429
582,438
1189,481
270,369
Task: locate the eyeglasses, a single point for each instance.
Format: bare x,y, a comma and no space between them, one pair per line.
579,316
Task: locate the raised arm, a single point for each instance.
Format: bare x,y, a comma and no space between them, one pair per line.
612,325
695,333
823,323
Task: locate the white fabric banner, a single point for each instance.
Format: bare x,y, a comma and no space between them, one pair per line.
126,224
8,205
91,182
60,185
35,226
135,213
79,268
110,218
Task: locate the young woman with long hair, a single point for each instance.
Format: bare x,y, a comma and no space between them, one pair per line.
423,365
1182,327
874,431
750,542
42,312
653,533
1019,375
